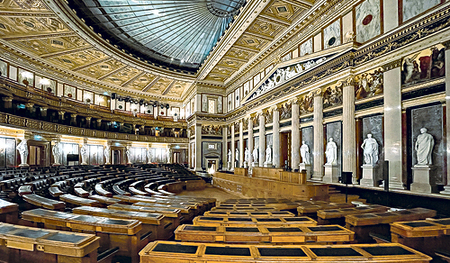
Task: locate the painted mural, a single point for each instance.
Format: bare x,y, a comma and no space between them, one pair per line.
424,65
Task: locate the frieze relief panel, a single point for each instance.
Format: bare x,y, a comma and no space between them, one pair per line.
332,96
424,65
369,84
306,103
286,111
212,129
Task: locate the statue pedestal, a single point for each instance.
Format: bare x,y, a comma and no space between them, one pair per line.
268,165
331,174
24,165
56,164
368,175
229,166
83,163
306,167
245,165
255,164
421,179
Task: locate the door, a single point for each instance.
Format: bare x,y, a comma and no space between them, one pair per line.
117,157
285,149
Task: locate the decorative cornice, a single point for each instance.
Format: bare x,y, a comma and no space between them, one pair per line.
391,65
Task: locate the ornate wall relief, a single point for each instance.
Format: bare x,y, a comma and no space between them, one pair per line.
245,123
306,104
286,111
369,84
332,96
424,65
212,129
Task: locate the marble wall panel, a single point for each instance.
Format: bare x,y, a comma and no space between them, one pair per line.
430,117
334,130
3,69
374,126
412,8
255,142
10,152
368,20
211,150
269,140
308,137
332,34
306,48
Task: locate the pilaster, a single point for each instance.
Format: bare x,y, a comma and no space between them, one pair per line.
349,129
318,136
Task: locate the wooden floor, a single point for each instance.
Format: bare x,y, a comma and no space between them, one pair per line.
210,191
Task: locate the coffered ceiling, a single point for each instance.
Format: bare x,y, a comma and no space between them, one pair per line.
52,36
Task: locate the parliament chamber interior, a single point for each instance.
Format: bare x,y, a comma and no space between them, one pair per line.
255,131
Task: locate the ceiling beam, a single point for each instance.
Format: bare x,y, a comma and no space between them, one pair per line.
65,52
38,36
274,20
166,90
238,59
220,74
253,50
91,64
301,4
27,13
149,85
258,35
112,72
133,79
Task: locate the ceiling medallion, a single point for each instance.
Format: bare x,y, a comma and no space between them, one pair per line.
224,8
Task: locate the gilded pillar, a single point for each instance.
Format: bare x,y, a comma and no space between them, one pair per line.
447,114
262,139
349,129
319,159
241,143
198,147
276,137
250,140
295,135
225,146
233,150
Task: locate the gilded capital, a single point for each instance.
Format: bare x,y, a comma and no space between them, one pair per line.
391,65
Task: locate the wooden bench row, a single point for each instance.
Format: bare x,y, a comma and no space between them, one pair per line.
253,221
164,251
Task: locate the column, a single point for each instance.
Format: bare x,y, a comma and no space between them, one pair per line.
88,122
241,143
349,129
61,115
198,147
319,159
276,137
225,147
233,150
73,119
393,123
99,124
30,108
43,111
250,140
262,139
295,136
447,112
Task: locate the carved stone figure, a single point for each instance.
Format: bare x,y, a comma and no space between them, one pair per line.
255,155
56,150
247,155
331,152
304,153
107,154
128,152
84,154
424,147
236,156
268,154
23,151
149,155
370,147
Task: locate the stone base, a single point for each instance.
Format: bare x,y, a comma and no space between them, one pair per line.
421,179
245,165
110,163
56,164
83,163
446,190
368,175
229,166
268,165
255,164
331,174
307,168
24,165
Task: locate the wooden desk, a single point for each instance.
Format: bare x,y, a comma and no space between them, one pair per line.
337,216
241,171
160,226
40,201
364,224
249,214
268,173
122,233
165,251
426,236
261,234
253,221
310,209
9,212
28,244
173,214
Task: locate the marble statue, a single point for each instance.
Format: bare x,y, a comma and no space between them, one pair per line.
370,147
247,155
304,153
84,154
268,154
331,152
107,154
22,147
236,157
255,155
149,155
229,155
424,147
56,150
128,152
